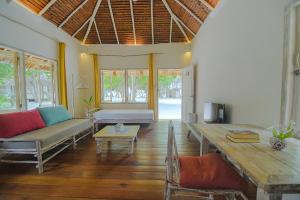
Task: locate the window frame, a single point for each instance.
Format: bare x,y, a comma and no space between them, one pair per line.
20,79
54,81
18,83
147,97
126,86
102,89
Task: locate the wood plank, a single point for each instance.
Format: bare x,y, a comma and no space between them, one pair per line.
81,174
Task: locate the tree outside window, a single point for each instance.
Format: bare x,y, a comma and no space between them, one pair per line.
137,86
113,86
8,67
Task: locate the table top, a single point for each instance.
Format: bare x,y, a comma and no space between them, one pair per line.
130,131
267,168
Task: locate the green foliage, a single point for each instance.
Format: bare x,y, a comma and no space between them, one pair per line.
166,80
89,102
4,102
284,133
142,82
6,73
113,82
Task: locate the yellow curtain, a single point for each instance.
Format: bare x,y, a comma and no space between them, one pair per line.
151,90
63,98
97,82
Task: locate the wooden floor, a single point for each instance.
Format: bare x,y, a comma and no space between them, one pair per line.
81,174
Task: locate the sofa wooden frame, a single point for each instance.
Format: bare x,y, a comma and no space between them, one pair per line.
38,151
172,186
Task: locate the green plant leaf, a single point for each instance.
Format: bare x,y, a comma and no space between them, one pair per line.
274,131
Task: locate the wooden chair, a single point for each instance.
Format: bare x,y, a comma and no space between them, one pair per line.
172,184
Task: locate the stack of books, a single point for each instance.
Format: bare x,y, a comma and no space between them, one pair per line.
240,136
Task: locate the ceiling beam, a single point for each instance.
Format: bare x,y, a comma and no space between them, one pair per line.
83,25
176,20
72,13
113,20
207,4
97,32
189,11
185,26
132,20
46,7
171,29
152,26
92,18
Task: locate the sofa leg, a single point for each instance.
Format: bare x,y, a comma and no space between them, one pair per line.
39,157
74,142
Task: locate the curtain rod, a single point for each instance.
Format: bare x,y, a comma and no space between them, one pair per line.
132,55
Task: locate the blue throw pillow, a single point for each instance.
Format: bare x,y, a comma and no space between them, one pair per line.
55,114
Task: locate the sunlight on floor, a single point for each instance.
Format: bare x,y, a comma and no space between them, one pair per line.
169,108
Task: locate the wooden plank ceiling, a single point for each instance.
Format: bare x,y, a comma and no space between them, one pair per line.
125,21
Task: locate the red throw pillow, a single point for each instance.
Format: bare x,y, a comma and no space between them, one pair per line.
12,124
209,172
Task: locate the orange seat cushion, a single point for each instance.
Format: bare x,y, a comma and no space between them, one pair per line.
209,172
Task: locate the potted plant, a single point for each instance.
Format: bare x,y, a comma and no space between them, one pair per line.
278,141
89,103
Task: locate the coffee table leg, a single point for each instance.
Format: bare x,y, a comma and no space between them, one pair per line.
98,148
131,146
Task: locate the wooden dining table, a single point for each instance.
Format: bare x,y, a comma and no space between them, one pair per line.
273,172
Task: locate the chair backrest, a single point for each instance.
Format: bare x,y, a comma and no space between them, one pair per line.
172,156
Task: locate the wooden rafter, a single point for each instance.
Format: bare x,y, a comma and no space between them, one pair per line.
83,25
207,4
92,18
97,32
113,20
72,13
152,25
171,28
47,7
176,20
189,11
185,26
132,20
146,27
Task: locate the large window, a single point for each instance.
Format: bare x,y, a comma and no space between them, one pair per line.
113,86
17,70
40,90
137,86
8,81
125,86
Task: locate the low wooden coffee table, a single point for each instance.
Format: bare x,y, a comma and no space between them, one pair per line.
109,134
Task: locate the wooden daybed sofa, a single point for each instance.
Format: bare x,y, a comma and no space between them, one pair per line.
38,142
128,116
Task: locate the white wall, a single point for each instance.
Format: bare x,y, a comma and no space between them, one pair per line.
113,57
166,55
25,31
239,58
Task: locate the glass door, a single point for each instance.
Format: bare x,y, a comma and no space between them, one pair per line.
169,93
